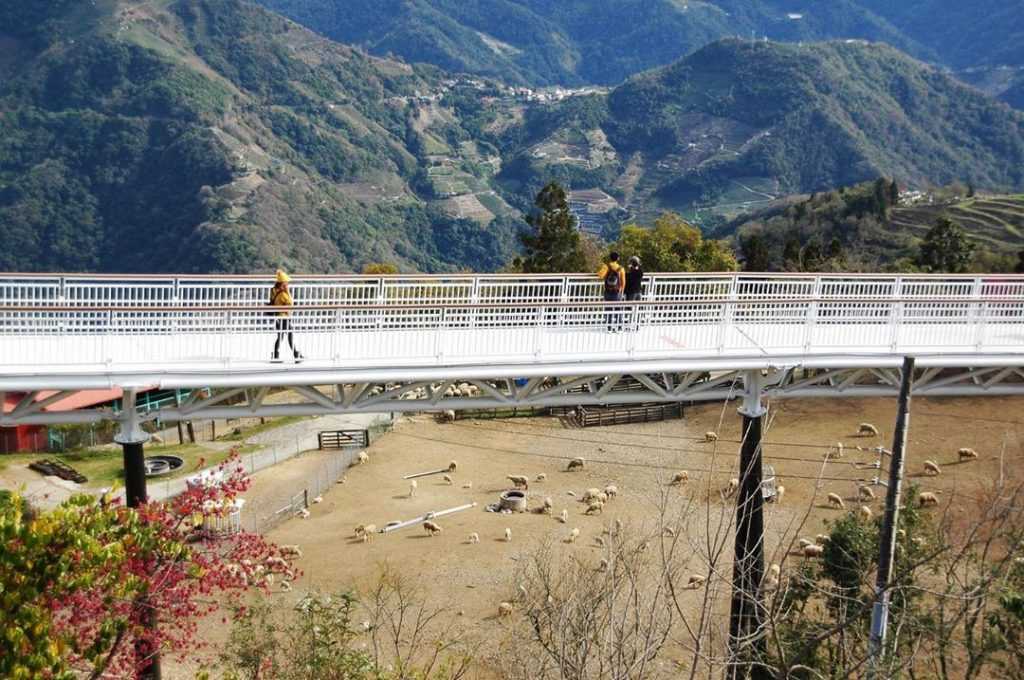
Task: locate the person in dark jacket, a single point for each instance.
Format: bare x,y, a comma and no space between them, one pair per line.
634,287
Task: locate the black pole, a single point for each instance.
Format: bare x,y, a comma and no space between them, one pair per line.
887,547
134,474
745,639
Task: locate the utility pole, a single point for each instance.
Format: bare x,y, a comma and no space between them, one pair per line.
887,548
746,644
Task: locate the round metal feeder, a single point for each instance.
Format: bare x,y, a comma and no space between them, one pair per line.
513,500
161,465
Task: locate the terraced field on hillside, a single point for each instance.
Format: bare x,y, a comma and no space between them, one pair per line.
996,221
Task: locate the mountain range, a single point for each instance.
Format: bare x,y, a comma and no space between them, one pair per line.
216,135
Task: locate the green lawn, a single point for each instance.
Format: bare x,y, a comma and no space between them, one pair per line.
271,424
103,467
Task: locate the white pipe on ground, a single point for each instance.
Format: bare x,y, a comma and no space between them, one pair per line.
424,518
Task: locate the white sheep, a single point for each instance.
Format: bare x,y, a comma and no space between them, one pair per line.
926,498
519,481
505,609
611,491
363,457
576,464
291,551
448,479
596,507
590,494
865,513
318,500
696,581
547,505
366,531
711,436
431,528
836,501
303,514
865,493
730,488
412,488
508,535
821,539
680,478
932,468
541,477
814,551
967,454
449,415
564,517
474,537
867,430
780,491
573,535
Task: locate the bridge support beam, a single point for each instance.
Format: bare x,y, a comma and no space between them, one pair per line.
132,439
746,639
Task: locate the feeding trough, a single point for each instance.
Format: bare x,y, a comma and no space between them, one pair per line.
513,501
161,465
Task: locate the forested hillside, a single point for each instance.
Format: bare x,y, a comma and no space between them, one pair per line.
211,135
572,42
769,119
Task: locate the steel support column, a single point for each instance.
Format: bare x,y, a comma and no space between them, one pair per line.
746,641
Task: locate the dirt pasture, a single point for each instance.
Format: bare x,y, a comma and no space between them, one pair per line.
639,460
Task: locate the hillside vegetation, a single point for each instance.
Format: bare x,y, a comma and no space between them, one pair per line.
211,135
741,123
572,42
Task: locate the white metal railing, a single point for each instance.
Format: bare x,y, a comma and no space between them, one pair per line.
349,319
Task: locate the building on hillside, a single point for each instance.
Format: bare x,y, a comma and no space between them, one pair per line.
592,209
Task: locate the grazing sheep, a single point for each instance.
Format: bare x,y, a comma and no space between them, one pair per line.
505,609
547,505
931,468
730,488
926,498
467,485
611,491
780,491
303,514
865,513
711,436
474,537
865,493
590,494
448,479
508,535
967,454
363,457
541,477
519,481
836,501
366,531
821,539
814,551
318,499
867,430
575,464
452,466
431,528
771,579
696,581
573,535
596,507
601,496
291,551
449,416
412,488
680,478
564,517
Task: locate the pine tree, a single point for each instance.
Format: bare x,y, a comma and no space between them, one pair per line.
946,248
755,254
553,245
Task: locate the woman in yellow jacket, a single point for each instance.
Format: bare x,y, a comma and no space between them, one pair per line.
280,296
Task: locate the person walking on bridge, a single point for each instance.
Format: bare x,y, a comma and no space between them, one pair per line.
634,288
613,281
280,296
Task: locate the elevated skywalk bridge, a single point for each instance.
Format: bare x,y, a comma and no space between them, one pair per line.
415,343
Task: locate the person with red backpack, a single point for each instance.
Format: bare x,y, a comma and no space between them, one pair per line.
613,281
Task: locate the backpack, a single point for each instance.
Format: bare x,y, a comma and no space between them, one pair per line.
611,281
